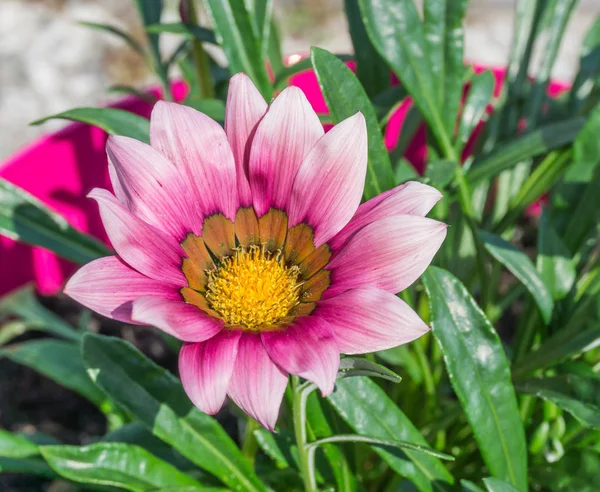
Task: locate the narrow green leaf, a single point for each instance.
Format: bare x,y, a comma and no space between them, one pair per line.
25,218
111,120
156,399
509,154
16,446
59,361
133,43
345,96
371,69
26,466
480,95
402,44
23,303
213,108
190,30
519,264
468,486
578,395
480,375
375,441
441,173
496,485
131,91
280,448
559,347
282,76
588,77
356,366
554,261
13,329
115,464
370,412
235,33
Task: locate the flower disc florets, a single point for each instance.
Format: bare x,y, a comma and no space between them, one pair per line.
253,288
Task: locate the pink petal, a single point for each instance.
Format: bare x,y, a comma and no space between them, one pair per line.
150,186
412,198
109,287
205,369
143,247
245,107
390,254
308,349
368,319
176,317
329,185
282,140
257,385
199,148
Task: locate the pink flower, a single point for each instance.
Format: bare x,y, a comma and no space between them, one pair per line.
249,245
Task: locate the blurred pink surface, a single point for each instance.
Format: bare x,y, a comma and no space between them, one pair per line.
61,168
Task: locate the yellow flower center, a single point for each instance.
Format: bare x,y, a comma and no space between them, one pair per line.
253,288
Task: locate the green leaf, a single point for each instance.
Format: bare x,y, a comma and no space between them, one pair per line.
345,96
133,43
480,95
371,69
235,33
370,412
156,398
578,395
59,361
563,344
375,441
554,261
115,464
111,120
23,303
468,486
282,76
441,173
519,264
213,108
480,375
26,466
276,448
588,77
24,218
496,485
16,446
508,155
190,30
403,45
357,366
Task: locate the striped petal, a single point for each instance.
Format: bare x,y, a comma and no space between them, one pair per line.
329,184
283,138
245,107
198,146
257,385
108,286
389,254
205,369
368,319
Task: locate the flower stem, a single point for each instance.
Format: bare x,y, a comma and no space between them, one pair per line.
201,60
299,415
250,446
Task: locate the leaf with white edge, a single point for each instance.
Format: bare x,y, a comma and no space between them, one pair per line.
370,412
496,485
356,366
519,264
480,375
115,464
16,446
578,395
112,120
156,398
24,218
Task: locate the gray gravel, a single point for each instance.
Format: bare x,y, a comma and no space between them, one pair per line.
48,63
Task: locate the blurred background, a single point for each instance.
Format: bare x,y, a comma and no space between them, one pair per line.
49,63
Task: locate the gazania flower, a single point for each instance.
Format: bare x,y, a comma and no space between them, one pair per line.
249,245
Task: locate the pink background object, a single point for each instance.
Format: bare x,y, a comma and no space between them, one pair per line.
61,168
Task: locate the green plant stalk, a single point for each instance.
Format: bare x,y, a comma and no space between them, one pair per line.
205,82
250,446
526,332
299,418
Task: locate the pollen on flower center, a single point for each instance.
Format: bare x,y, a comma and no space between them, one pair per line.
253,288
